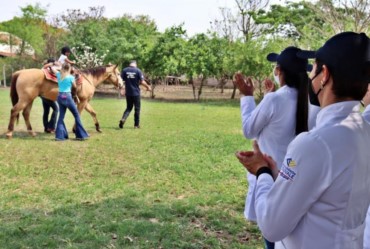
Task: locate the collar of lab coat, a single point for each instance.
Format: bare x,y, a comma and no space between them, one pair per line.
336,112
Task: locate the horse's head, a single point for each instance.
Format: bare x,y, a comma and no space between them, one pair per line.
114,76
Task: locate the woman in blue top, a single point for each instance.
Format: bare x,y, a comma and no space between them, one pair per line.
65,83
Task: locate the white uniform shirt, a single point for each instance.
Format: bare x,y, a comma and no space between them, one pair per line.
313,110
367,231
62,59
272,123
366,115
321,195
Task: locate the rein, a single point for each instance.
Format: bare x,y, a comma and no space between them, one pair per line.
79,71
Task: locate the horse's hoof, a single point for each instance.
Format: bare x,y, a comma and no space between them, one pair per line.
97,127
9,135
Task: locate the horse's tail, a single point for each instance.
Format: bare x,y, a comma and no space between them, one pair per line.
13,91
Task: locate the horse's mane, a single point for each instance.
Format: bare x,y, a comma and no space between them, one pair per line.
96,71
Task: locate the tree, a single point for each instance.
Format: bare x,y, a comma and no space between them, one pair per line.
243,20
28,28
130,37
344,15
166,57
225,27
201,60
250,59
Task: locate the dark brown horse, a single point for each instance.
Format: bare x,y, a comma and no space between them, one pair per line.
28,84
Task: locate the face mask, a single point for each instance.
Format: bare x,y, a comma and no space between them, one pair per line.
314,97
276,77
314,100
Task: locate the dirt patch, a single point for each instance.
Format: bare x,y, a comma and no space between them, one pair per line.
173,93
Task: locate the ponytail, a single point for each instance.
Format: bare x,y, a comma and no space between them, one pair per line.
299,81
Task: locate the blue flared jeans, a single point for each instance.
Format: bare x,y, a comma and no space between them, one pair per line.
65,102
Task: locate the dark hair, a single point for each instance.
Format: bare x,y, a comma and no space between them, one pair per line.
50,60
346,85
65,50
299,81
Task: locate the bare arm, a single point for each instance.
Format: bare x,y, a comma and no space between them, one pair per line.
48,65
146,85
69,61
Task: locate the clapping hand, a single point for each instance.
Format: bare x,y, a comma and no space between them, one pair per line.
254,160
245,86
269,86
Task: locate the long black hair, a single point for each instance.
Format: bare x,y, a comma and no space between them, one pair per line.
299,81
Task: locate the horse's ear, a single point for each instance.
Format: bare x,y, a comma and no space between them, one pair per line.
115,66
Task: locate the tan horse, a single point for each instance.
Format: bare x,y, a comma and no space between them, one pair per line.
28,84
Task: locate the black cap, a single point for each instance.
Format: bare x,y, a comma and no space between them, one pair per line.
289,60
346,54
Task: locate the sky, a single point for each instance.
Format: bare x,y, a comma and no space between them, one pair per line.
195,14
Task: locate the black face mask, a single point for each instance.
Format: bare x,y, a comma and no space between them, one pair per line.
314,100
314,97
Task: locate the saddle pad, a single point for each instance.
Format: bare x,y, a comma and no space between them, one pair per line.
49,76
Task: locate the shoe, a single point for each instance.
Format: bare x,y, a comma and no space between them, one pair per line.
48,130
121,123
137,127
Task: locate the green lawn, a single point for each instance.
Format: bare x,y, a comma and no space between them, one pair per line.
175,183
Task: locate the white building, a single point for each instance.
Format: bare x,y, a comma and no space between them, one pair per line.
10,45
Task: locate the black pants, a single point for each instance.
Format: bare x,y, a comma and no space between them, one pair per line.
132,101
47,104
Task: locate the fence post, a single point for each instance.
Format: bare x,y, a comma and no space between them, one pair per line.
4,75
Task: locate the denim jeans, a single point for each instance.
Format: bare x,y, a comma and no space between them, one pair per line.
65,102
47,104
132,101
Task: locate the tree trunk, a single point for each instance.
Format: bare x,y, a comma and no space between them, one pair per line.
201,87
234,92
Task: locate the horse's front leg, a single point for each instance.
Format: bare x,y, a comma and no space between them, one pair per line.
26,116
80,106
90,110
14,115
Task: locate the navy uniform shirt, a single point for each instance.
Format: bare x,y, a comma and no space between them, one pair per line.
132,77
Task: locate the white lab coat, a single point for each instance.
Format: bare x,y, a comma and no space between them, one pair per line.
322,193
313,110
367,231
272,123
366,115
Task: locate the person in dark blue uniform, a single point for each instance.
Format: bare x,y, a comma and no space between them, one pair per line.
49,125
133,78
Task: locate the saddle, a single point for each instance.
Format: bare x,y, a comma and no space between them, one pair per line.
49,75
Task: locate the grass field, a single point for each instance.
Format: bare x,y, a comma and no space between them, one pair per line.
175,183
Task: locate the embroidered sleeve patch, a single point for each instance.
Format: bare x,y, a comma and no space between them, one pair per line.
290,162
287,173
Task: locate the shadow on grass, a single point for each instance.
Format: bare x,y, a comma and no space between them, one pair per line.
126,222
25,135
